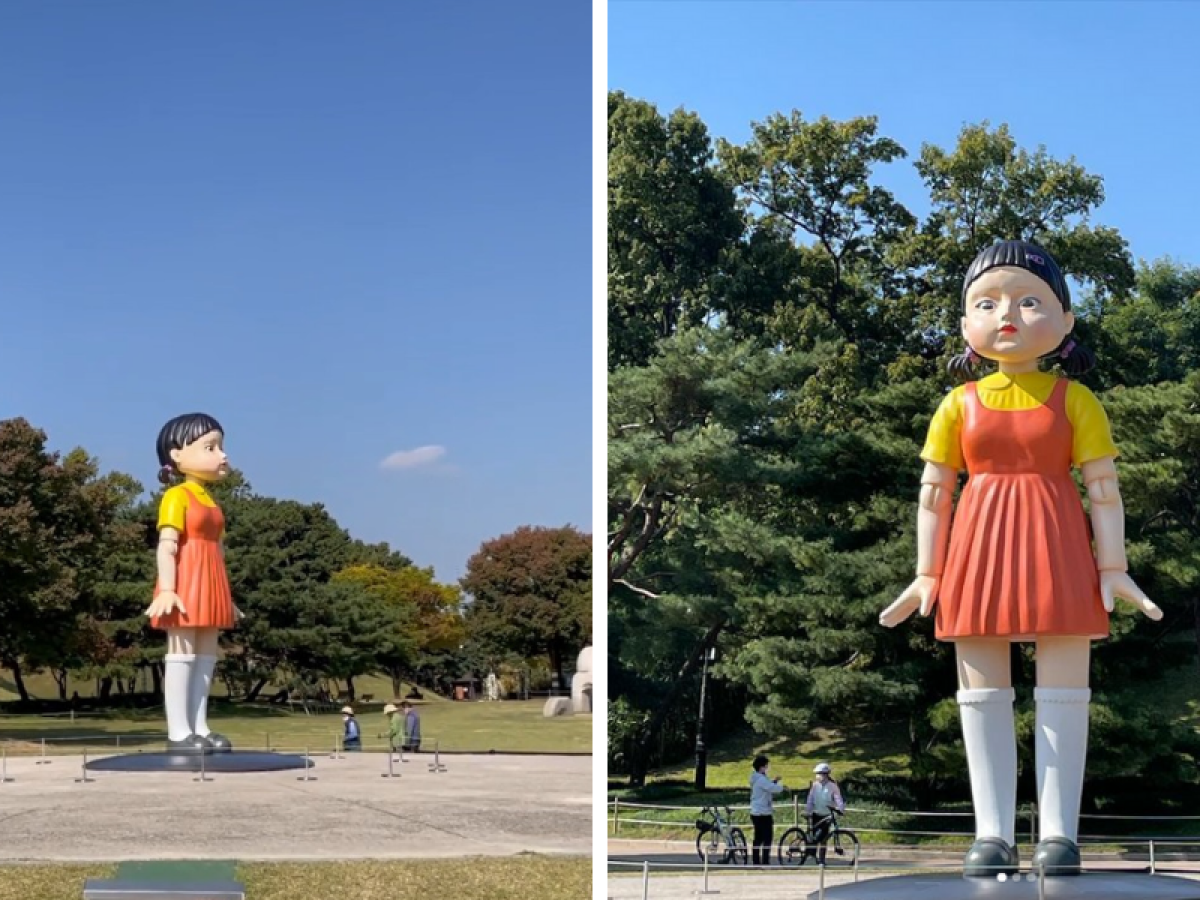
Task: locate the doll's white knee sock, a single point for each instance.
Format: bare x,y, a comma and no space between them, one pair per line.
991,741
177,671
199,687
1060,746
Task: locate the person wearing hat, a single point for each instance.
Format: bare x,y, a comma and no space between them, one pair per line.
395,727
352,737
824,797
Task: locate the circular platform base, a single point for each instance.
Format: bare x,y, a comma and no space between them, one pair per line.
237,761
1092,886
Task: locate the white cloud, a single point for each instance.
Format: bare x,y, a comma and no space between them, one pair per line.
411,459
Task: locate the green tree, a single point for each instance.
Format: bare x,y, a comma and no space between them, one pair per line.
427,615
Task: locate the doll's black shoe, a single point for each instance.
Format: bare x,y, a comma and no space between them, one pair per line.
220,743
192,745
1059,856
989,857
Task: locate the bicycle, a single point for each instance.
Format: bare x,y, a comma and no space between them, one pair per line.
714,830
798,845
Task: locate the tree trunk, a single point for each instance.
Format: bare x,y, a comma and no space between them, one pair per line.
106,686
156,678
1196,611
350,687
256,690
397,687
60,678
639,755
18,681
556,665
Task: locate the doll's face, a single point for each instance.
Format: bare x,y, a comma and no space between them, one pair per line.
203,458
1012,316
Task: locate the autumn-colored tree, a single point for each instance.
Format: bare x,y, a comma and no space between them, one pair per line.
531,594
430,619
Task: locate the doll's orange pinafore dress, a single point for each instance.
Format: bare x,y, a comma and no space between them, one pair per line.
1020,564
200,577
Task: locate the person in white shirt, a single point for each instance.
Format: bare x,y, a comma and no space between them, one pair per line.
762,810
824,796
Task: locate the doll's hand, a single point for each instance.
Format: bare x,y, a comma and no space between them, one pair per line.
921,594
164,604
1114,583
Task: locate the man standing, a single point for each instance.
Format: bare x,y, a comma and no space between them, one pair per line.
412,728
352,738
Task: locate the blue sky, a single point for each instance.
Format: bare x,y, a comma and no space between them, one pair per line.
1112,84
345,230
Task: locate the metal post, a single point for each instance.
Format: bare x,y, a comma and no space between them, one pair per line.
337,746
795,810
701,780
390,773
1033,823
83,775
821,882
616,815
4,779
646,879
857,854
705,889
1042,882
307,768
43,761
203,776
1151,857
118,742
436,766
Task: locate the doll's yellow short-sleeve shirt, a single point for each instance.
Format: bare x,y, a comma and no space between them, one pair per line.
1028,390
172,509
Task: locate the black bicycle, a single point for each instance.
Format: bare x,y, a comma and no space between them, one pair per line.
798,845
718,840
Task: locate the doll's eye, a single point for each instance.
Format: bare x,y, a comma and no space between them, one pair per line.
1030,303
985,304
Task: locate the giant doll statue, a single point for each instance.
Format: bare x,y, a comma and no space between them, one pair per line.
1019,564
192,600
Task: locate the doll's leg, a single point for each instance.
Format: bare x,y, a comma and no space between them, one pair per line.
1060,744
178,665
985,703
201,686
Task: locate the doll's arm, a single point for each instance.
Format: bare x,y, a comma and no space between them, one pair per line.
1108,529
1108,513
933,518
933,530
168,547
166,601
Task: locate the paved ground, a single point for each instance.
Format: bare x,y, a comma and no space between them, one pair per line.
676,873
483,805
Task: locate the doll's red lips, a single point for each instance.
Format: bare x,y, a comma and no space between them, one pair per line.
1009,329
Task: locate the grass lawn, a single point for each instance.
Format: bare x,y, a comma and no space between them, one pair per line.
519,878
462,726
878,749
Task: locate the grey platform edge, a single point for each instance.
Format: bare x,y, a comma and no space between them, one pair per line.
125,889
1095,885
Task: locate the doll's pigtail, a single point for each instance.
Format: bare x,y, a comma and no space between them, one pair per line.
1075,359
166,474
963,366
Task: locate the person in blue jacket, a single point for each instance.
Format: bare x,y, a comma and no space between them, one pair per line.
351,737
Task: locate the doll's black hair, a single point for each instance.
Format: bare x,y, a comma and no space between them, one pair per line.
177,434
1074,358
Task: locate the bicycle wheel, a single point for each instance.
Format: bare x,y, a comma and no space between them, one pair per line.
843,848
739,855
793,847
709,843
